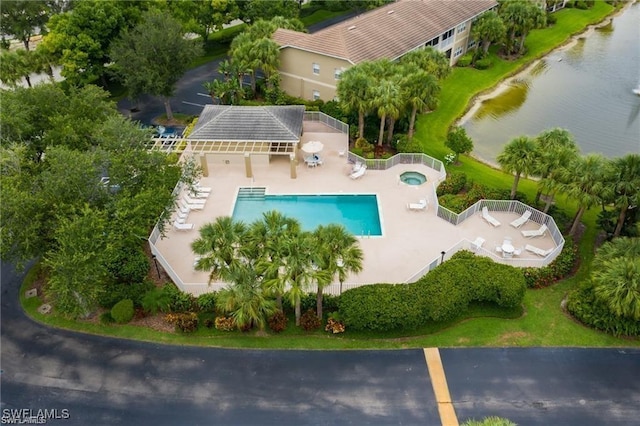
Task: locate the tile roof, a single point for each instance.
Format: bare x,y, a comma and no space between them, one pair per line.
249,123
387,32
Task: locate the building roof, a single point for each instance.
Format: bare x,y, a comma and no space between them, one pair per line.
387,32
249,123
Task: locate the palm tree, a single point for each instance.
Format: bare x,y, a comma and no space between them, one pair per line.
431,61
246,300
584,179
420,91
624,178
518,158
520,17
269,236
556,149
616,276
266,55
220,247
387,102
339,253
353,92
488,29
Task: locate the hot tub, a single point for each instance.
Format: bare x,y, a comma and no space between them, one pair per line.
413,178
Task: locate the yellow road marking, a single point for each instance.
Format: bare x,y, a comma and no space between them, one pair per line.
440,388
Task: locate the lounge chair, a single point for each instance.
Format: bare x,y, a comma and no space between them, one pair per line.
475,245
490,219
359,173
420,205
536,232
522,219
195,201
182,215
182,226
540,252
186,206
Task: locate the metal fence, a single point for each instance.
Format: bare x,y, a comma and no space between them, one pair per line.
334,123
404,158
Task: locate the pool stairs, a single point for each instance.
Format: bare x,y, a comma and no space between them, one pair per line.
255,193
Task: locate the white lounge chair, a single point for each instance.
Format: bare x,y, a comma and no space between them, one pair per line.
540,252
194,201
522,219
536,232
182,226
477,243
420,205
490,219
359,173
182,215
186,207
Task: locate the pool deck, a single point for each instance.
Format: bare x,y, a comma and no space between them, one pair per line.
411,240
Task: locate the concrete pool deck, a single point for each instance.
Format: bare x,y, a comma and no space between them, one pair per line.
410,240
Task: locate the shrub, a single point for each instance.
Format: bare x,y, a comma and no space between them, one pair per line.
560,268
455,203
404,144
116,291
309,321
489,421
106,318
179,301
588,309
441,295
186,322
483,64
364,145
225,323
209,323
551,19
127,264
278,322
335,324
465,60
156,300
453,184
206,302
122,312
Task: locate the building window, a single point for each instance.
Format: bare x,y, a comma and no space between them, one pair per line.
471,44
462,27
458,52
433,42
337,73
316,68
316,95
448,34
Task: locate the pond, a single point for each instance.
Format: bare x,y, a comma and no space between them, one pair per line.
586,88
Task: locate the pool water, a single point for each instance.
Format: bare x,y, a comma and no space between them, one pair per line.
413,178
357,213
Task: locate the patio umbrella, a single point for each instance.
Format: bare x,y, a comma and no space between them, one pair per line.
312,147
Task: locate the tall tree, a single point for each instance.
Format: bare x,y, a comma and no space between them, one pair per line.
585,183
616,276
430,60
151,57
518,157
419,90
556,149
204,17
520,17
459,142
353,92
339,254
488,29
387,101
253,10
24,18
624,183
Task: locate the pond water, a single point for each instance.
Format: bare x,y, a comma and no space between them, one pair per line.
586,88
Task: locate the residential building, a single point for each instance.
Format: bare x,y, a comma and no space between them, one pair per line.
311,64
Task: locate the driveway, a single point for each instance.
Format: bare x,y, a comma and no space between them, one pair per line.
105,381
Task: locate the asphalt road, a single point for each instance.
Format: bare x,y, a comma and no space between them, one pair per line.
104,381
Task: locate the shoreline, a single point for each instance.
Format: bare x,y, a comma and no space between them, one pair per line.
476,101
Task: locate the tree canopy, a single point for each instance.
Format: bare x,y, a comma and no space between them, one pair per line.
22,18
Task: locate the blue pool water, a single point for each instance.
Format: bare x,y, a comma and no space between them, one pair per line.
357,213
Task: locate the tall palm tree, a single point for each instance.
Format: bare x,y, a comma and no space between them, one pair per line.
556,148
353,92
246,299
221,246
616,276
420,90
269,236
431,61
584,179
339,253
387,101
518,157
624,178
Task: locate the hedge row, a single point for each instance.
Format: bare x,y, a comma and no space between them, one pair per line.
441,295
560,268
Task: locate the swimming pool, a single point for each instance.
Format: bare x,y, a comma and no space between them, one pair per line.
358,213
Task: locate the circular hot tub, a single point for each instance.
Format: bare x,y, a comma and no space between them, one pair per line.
413,178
